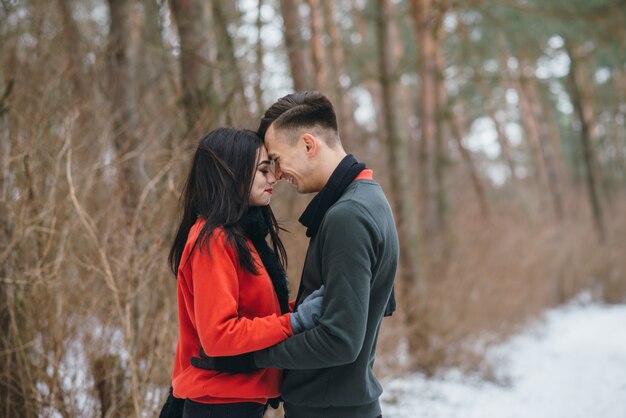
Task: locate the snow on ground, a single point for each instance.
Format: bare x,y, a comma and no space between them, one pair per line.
570,365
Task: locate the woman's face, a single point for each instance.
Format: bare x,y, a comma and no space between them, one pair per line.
263,182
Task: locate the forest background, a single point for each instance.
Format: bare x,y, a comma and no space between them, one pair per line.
496,127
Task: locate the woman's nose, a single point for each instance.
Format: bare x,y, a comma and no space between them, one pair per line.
272,178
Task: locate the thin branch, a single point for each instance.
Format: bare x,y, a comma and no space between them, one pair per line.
90,227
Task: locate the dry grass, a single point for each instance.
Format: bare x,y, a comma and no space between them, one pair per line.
500,274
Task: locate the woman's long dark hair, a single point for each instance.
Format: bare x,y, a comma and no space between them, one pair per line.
218,190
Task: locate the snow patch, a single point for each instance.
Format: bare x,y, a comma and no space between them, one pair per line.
570,364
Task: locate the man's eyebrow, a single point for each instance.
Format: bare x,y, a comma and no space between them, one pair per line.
264,162
272,156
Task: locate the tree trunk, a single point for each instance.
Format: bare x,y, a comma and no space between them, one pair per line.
72,50
122,100
532,136
441,145
258,88
18,393
422,15
587,147
340,91
505,143
409,286
299,62
317,47
545,145
457,126
358,12
152,58
124,124
195,71
14,363
503,139
295,45
234,97
618,134
108,376
552,123
620,108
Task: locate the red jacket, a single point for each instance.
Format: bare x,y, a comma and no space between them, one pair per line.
229,311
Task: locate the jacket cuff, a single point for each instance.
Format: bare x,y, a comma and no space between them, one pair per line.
289,328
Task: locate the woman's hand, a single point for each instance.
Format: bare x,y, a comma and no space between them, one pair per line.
308,312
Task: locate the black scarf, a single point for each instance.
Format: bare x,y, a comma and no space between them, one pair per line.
343,175
256,227
339,180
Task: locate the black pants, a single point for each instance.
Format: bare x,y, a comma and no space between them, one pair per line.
223,410
380,416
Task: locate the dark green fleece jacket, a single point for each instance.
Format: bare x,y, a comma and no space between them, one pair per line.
355,254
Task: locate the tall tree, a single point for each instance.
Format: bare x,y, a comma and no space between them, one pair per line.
589,159
125,140
498,121
339,93
423,20
18,394
234,97
546,145
531,130
123,100
295,45
618,131
259,53
540,135
195,71
320,64
15,363
72,49
411,285
152,60
441,139
456,121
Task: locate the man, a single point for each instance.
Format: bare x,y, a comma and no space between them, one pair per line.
353,251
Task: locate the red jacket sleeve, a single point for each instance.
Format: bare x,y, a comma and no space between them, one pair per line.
222,331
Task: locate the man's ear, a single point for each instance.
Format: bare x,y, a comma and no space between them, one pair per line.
310,143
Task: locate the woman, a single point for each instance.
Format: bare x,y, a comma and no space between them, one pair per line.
228,303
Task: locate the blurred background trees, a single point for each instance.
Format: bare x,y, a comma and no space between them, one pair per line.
497,128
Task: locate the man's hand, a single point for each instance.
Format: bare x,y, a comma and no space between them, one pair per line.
305,318
308,313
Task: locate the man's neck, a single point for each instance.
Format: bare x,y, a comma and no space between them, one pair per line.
328,164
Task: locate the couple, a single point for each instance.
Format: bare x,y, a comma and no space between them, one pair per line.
241,342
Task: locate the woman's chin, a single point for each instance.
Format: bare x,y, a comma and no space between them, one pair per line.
263,203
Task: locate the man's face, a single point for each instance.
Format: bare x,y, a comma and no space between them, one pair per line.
291,162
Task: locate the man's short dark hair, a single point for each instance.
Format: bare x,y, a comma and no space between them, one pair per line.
302,109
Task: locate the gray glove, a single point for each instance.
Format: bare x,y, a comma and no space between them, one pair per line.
308,313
